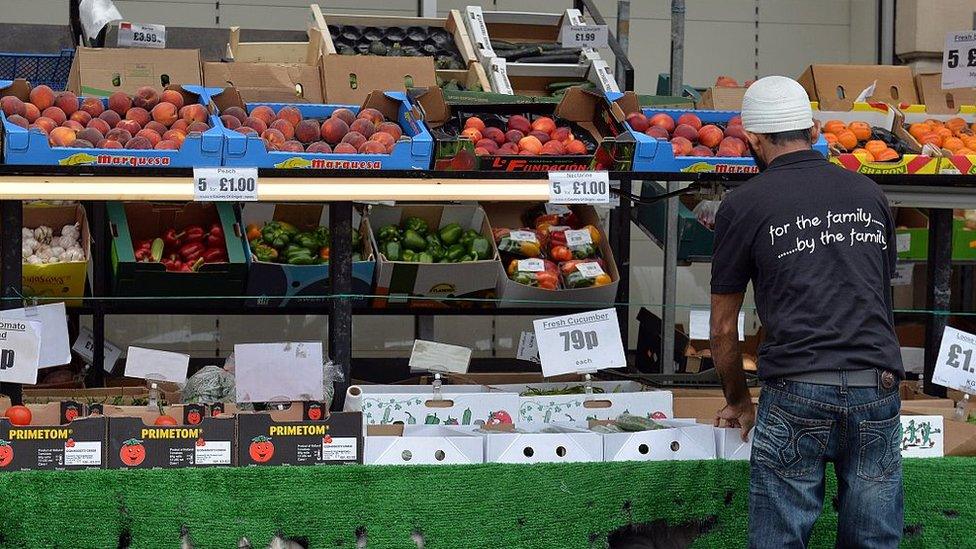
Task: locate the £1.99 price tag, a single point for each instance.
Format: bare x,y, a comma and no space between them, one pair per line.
579,343
579,188
585,36
956,366
135,35
225,184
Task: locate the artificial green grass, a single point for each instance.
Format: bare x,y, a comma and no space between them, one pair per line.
461,507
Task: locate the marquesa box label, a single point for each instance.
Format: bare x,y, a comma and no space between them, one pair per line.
135,445
578,343
262,440
76,445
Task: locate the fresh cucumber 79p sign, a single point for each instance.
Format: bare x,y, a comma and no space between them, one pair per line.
956,366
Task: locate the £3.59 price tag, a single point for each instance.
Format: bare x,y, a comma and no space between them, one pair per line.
585,36
136,35
579,188
956,366
579,343
225,184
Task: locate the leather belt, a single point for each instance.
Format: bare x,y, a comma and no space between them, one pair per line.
855,378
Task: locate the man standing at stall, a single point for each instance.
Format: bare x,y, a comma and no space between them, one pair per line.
817,242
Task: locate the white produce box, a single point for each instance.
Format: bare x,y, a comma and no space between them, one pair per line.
680,441
421,445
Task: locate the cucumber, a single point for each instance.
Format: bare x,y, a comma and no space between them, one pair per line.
632,423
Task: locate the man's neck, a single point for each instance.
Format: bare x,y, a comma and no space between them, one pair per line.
786,149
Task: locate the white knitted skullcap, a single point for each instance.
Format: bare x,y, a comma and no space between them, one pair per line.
776,104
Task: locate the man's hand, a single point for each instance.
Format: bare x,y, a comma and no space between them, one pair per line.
739,415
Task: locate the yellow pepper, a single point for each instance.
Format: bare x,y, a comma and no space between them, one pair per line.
602,280
530,249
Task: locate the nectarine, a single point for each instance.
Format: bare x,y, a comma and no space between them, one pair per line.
710,135
638,122
319,147
364,126
333,130
120,103
42,97
680,146
291,115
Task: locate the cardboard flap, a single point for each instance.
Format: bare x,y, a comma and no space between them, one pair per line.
434,110
379,100
722,99
101,71
19,88
836,87
393,430
578,105
267,82
303,216
350,78
628,102
938,100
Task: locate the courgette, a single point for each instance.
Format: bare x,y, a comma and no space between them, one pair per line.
564,58
632,423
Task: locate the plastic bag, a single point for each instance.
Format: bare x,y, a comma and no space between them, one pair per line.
209,385
331,374
705,212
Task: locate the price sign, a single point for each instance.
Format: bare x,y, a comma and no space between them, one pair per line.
85,348
579,188
156,365
903,242
431,356
956,366
522,236
20,350
278,372
959,60
527,349
590,269
225,184
578,237
585,36
136,35
534,265
578,343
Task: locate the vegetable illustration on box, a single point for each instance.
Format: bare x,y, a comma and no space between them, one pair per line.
467,409
577,409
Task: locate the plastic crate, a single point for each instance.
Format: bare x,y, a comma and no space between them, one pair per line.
50,69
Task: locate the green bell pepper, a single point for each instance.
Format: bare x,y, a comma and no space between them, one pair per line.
416,224
433,240
275,235
455,253
300,256
409,256
450,234
584,251
437,251
412,240
480,248
263,252
323,237
468,236
391,250
388,232
468,257
424,257
308,241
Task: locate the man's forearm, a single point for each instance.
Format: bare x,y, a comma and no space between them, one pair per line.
728,363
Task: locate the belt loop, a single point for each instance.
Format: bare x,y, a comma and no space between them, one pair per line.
843,382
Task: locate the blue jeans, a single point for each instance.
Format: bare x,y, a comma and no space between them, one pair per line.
802,426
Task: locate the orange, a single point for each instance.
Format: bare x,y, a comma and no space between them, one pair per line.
965,151
875,146
863,154
886,155
955,124
953,144
943,132
861,129
931,137
919,129
834,126
847,139
969,141
830,138
935,123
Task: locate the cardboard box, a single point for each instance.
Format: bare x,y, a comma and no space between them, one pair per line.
577,410
282,438
473,79
572,381
399,279
348,79
467,410
912,231
304,53
938,100
199,440
59,438
591,117
421,445
117,396
100,72
680,441
729,445
412,151
921,25
702,408
518,28
526,79
57,279
551,445
268,82
133,221
22,146
836,87
272,281
513,294
722,99
884,116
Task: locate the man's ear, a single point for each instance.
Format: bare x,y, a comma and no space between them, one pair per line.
815,131
753,140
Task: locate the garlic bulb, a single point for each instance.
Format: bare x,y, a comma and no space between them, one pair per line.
56,251
26,233
34,260
43,252
72,254
43,234
66,241
71,230
53,259
30,242
26,251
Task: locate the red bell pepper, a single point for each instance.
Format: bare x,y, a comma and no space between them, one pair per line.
215,236
214,255
193,233
191,251
171,239
172,263
191,266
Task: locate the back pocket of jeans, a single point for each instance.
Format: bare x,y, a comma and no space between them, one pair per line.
880,453
793,446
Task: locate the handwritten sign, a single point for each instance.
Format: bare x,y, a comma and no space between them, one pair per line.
279,372
156,365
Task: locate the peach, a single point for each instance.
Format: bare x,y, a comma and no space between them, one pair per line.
172,97
138,115
74,125
680,146
291,115
80,117
344,148
488,145
292,146
710,135
736,130
576,147
196,113
230,122
701,150
355,139
18,120
139,142
553,147
726,82
372,147
130,126
91,135
166,145
493,133
735,142
12,105
93,106
165,113
119,135
735,120
99,124
56,114
45,124
691,120
508,148
257,124
120,103
61,136
345,115
155,126
38,128
273,139
543,137
481,151
31,113
198,127
514,136
108,144
686,131
145,98
237,113
42,97
520,123
472,133
563,135
333,130
364,126
152,136
308,131
526,153
264,114
81,144
248,131
476,123
373,115
111,117
319,147
285,127
544,124
727,151
638,121
663,120
174,135
67,102
384,138
531,144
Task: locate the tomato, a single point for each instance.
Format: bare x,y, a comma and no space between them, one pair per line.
192,418
70,413
261,449
132,452
19,415
6,453
314,413
166,420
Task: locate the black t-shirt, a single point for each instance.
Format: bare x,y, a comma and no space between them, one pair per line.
817,241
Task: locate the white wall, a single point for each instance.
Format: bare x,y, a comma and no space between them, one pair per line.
741,38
